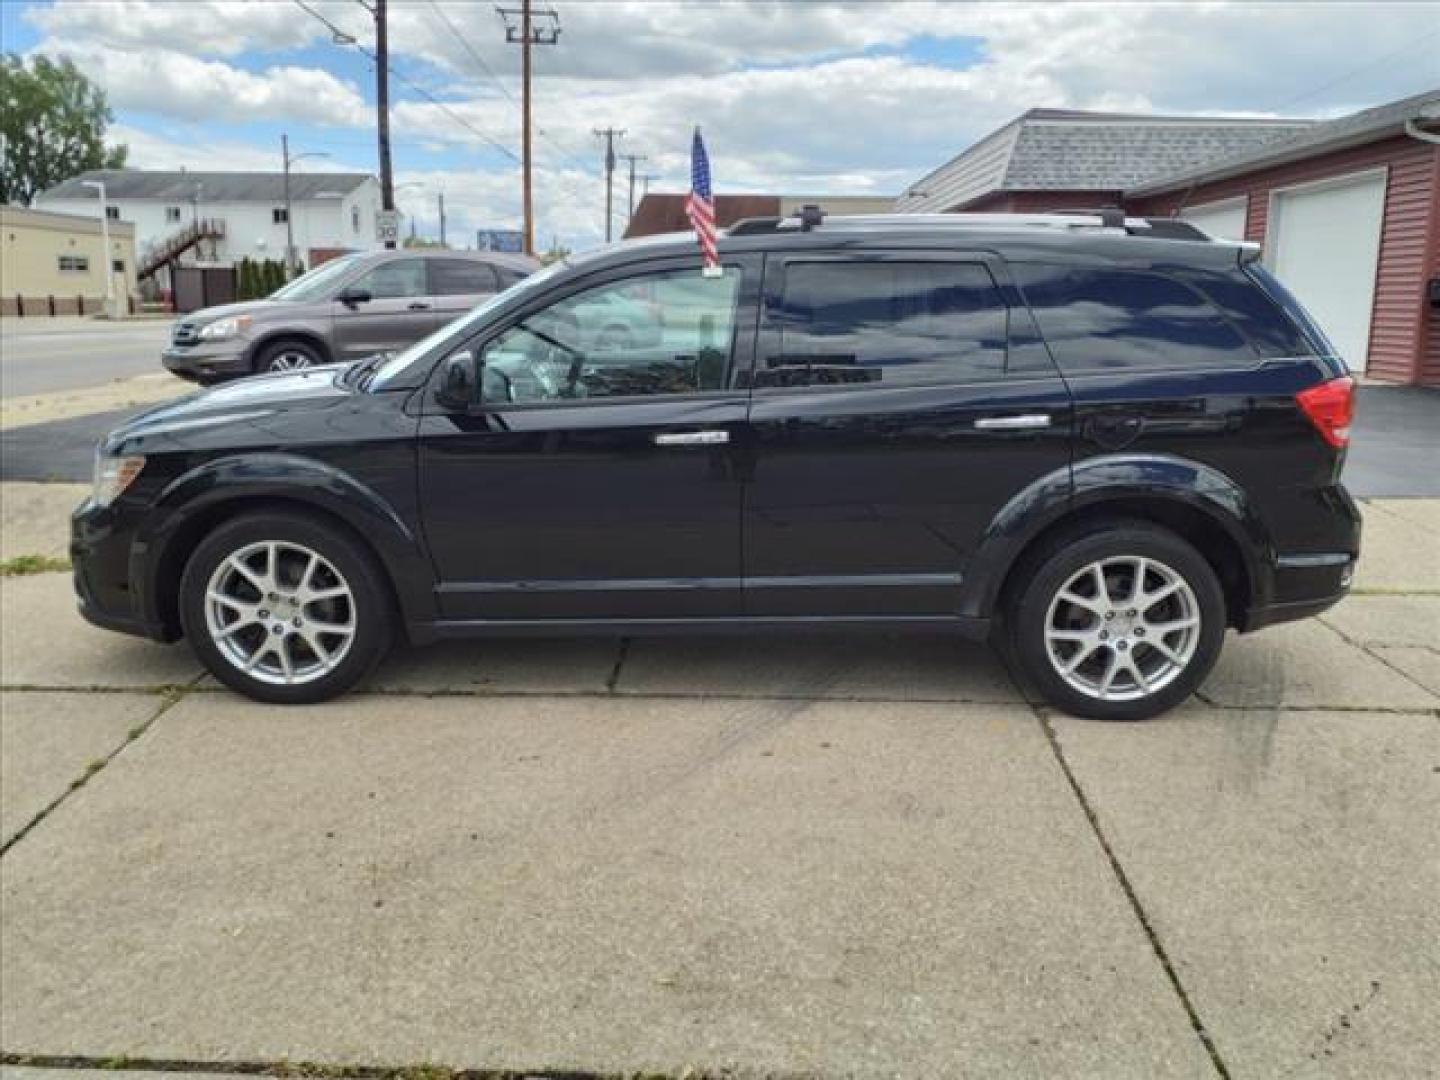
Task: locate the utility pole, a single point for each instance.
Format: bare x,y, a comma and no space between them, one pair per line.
609,134
526,34
382,108
441,196
632,159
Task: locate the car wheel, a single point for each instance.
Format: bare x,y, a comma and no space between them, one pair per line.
287,356
285,608
1118,624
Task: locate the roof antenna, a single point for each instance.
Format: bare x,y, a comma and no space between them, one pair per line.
810,217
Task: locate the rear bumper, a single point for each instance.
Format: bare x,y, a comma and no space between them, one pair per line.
1304,585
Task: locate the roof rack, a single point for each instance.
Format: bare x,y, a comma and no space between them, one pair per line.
1109,219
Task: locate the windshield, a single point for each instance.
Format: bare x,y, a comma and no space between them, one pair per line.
391,370
316,284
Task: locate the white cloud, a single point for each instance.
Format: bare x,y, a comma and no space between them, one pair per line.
792,96
176,84
199,27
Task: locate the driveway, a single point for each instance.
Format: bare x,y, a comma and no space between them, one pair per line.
833,856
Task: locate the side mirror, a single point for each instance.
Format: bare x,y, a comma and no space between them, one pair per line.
457,381
352,296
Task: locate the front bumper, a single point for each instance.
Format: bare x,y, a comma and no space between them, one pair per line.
207,360
102,557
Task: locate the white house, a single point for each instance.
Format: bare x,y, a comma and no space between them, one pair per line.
330,212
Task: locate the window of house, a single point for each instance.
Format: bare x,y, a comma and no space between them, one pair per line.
1101,319
461,277
172,213
355,218
391,280
661,333
279,215
74,264
112,212
890,323
117,266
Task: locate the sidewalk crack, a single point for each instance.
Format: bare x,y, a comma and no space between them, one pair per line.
1156,945
172,696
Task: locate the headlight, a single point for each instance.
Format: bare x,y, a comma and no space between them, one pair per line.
221,329
113,475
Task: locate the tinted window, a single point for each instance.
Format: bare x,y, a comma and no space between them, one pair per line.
666,333
1096,320
894,323
1254,314
391,280
460,277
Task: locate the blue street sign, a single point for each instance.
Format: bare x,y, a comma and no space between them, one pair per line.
511,240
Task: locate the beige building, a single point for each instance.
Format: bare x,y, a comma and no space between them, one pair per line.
54,264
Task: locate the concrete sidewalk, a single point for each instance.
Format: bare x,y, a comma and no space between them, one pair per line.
843,857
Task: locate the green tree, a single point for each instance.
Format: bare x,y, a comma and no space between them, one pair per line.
52,126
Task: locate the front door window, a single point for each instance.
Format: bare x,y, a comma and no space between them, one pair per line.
663,333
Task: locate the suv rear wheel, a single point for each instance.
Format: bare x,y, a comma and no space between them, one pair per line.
1119,624
284,608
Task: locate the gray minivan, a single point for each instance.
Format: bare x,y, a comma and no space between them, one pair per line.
352,306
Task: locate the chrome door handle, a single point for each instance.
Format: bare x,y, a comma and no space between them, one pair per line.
1027,422
693,438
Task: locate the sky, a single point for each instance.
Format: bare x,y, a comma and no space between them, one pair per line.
803,97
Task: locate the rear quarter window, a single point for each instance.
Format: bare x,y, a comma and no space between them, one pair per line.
1241,299
1103,319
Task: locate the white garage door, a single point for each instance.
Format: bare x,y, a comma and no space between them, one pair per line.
1324,243
1222,220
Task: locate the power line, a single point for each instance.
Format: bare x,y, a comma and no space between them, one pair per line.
1348,75
342,37
500,84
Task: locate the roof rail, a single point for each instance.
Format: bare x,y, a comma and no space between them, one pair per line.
1109,219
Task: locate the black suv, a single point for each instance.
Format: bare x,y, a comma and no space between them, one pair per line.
1099,441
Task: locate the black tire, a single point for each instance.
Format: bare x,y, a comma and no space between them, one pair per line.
1113,546
343,560
288,355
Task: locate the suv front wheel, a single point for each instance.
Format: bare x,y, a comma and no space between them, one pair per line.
285,608
1118,624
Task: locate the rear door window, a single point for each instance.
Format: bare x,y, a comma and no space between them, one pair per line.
461,277
884,322
1101,319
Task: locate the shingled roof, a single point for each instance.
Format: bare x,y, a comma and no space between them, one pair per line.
262,187
1070,150
1367,125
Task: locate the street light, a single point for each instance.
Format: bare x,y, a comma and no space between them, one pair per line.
289,226
106,261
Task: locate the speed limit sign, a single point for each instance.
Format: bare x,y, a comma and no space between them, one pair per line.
387,226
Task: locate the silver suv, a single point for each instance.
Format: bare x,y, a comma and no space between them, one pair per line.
352,306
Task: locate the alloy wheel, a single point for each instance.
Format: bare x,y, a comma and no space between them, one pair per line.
280,612
290,360
1122,628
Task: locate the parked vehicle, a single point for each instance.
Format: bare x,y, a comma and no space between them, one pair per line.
1099,442
344,309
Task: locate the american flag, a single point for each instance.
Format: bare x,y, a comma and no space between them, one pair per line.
700,206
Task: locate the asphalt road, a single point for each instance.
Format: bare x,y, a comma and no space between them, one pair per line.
1392,455
39,356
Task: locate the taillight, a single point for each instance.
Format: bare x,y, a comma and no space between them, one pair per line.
1330,407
